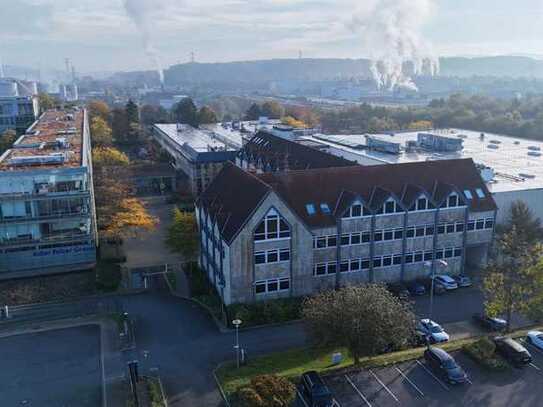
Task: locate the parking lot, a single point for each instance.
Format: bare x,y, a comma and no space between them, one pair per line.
414,384
52,368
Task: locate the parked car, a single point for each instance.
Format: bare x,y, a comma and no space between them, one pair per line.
400,291
444,365
432,330
513,351
536,339
463,281
490,323
416,288
315,390
446,281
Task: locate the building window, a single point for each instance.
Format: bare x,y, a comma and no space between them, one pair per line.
344,266
428,255
272,227
420,231
440,229
355,265
489,223
390,206
448,253
387,261
397,259
410,232
471,225
439,254
459,227
355,238
272,285
422,204
452,201
365,264
458,252
480,193
450,227
260,257
418,257
366,237
356,211
388,235
345,240
378,235
480,224
284,255
408,258
429,230
398,234
320,269
320,242
325,208
272,256
332,267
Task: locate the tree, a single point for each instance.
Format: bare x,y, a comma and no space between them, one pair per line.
272,110
420,125
207,116
522,218
267,391
7,139
153,114
183,234
365,319
512,277
100,132
119,125
185,112
98,108
46,101
108,157
129,217
253,113
291,121
132,112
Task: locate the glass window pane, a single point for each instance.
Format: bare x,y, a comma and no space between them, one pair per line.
321,242
365,264
410,232
344,266
398,234
345,239
429,230
459,227
420,231
284,284
272,286
440,229
480,224
377,262
471,225
260,257
489,223
366,237
409,258
284,255
397,259
331,268
260,287
448,253
390,207
388,235
418,257
387,261
272,256
320,269
450,227
355,265
356,211
355,238
378,236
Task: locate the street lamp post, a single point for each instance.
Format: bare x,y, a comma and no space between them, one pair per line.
433,271
237,323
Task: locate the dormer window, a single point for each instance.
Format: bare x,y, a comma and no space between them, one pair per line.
390,206
422,204
357,210
452,201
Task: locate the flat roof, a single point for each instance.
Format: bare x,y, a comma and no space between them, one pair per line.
54,141
517,163
204,139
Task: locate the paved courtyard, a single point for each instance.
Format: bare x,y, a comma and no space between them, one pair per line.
58,368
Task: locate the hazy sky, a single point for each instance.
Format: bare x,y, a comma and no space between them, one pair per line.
98,36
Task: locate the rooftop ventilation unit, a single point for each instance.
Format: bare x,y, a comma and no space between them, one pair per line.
38,160
377,144
534,153
534,148
524,175
437,142
495,141
493,146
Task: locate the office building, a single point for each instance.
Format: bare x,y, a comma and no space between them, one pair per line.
47,214
19,106
289,234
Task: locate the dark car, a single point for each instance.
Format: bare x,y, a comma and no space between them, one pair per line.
416,288
400,291
315,391
513,351
490,323
444,365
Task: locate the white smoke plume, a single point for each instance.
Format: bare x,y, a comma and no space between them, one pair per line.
392,37
140,11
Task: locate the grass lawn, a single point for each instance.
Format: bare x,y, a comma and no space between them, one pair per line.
292,363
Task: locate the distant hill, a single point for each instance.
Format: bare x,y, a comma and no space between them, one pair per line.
330,69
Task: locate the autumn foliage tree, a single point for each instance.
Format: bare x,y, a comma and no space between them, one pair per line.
100,132
267,391
366,320
183,234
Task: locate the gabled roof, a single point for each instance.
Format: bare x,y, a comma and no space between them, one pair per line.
231,198
234,194
277,153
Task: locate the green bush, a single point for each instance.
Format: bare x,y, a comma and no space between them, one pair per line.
108,276
483,351
266,312
267,391
155,393
198,282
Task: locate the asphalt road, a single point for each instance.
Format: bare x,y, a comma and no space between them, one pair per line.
51,369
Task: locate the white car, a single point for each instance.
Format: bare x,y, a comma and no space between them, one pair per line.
536,339
447,282
432,330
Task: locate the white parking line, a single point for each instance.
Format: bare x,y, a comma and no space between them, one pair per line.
434,376
534,366
384,386
302,398
409,381
358,391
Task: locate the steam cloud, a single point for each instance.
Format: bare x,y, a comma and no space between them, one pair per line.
392,37
140,12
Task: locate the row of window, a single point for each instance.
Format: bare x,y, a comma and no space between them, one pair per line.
272,256
272,227
356,238
272,285
391,206
360,264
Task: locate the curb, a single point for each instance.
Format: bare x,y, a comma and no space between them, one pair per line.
218,383
223,328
